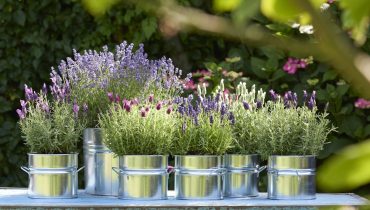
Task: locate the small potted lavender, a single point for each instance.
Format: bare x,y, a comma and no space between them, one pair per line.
140,134
122,73
51,131
290,136
242,161
204,135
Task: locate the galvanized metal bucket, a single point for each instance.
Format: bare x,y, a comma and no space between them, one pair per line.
199,177
143,177
291,177
99,160
241,178
52,175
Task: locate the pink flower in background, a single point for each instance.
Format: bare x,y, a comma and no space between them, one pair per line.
330,1
190,85
362,103
293,64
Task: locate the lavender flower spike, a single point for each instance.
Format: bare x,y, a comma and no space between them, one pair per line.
21,114
76,108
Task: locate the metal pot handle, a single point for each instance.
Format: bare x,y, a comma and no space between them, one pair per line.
260,169
25,169
117,170
80,169
170,169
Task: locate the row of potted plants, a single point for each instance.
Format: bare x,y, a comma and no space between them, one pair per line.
135,115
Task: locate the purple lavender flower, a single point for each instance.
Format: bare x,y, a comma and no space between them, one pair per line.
117,99
147,109
143,113
30,94
312,101
196,121
181,109
151,98
127,107
304,96
223,109
85,108
44,89
259,104
245,105
158,106
169,110
21,114
76,108
273,95
211,120
110,96
231,118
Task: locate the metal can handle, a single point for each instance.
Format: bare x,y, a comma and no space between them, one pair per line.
80,169
260,169
170,169
117,170
25,169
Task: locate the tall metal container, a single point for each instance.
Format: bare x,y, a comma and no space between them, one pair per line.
291,177
52,175
198,177
241,178
99,160
143,177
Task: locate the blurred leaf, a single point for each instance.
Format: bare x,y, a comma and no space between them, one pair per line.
342,90
98,7
287,10
258,67
313,82
233,59
225,5
347,170
20,17
149,26
329,75
350,125
245,11
356,17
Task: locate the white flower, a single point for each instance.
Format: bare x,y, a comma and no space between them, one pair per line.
306,29
324,6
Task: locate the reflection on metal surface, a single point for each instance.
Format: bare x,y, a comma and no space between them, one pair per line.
291,177
241,178
99,160
198,177
143,177
52,175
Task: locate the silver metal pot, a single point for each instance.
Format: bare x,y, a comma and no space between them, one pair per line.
99,160
241,178
143,177
52,175
198,177
291,177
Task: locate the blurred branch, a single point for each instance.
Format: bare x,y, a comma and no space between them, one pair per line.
330,46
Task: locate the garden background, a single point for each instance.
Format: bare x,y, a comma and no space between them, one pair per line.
36,35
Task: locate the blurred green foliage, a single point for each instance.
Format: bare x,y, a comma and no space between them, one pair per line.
37,35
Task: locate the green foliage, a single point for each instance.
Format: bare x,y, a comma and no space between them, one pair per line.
131,133
57,132
356,17
352,163
204,139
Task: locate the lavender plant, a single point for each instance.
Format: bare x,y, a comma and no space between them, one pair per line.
49,127
131,127
127,73
284,128
244,104
206,126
